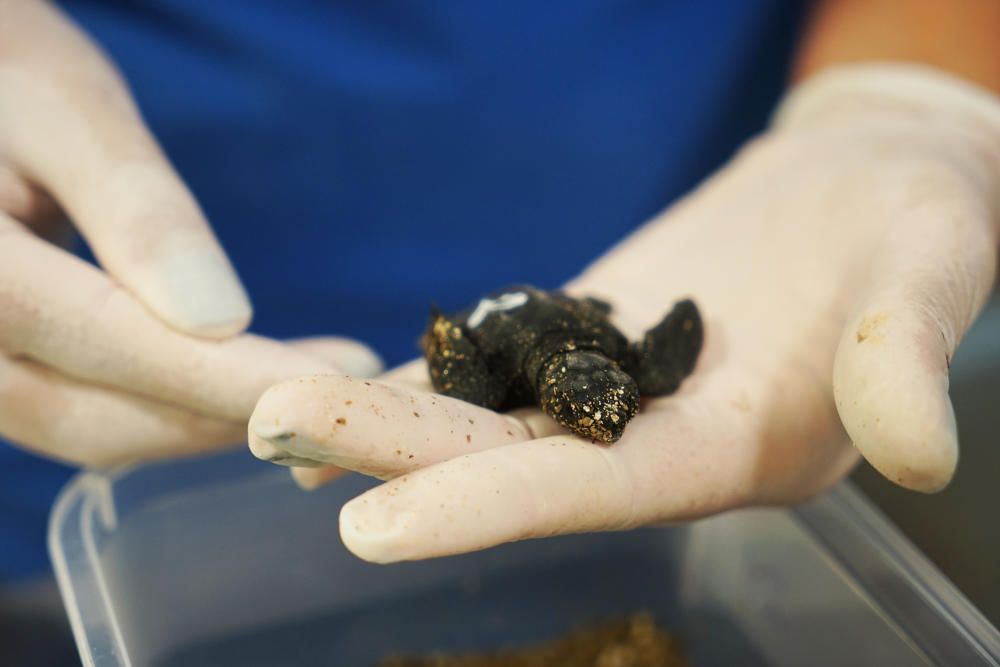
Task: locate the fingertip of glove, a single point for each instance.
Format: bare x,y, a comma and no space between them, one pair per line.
265,450
924,463
370,532
892,398
313,477
199,293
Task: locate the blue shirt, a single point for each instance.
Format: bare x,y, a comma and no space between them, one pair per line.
359,159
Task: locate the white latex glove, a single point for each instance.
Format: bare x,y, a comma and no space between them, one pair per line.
143,358
837,261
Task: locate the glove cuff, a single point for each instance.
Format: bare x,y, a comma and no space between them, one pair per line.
914,90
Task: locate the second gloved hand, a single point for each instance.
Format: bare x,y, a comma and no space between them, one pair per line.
143,358
837,260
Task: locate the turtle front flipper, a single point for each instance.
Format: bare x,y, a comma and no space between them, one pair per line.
457,367
668,352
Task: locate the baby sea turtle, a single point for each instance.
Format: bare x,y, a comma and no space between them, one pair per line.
524,346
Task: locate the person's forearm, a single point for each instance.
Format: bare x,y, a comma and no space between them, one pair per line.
958,36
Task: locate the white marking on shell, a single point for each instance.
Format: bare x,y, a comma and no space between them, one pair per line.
503,302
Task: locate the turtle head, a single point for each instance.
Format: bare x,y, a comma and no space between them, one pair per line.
588,393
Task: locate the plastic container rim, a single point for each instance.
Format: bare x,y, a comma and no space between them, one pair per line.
847,528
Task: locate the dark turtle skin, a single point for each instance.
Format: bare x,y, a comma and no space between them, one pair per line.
522,346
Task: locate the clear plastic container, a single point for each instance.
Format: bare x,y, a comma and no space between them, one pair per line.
223,561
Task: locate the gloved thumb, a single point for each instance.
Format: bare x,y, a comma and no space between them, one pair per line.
934,272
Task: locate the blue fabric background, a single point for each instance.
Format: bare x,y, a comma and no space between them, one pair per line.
361,159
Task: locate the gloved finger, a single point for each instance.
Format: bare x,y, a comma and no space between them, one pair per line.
372,427
68,123
79,423
350,357
672,465
891,368
63,312
411,375
345,354
310,479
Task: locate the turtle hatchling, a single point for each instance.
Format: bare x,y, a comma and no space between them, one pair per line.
525,346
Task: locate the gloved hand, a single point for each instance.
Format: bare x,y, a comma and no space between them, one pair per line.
143,358
838,260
